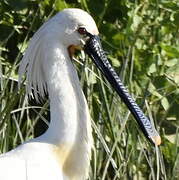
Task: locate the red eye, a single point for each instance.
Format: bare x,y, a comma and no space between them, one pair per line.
82,31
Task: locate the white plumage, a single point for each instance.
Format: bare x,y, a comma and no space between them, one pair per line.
63,152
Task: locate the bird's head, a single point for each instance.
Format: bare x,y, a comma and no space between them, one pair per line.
74,29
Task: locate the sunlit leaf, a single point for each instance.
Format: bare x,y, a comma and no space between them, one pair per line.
60,4
165,103
136,21
170,50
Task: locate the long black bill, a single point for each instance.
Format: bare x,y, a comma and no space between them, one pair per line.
94,49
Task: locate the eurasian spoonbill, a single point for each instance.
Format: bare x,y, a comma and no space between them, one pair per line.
63,152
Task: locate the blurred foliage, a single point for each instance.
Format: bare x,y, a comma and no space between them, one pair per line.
142,39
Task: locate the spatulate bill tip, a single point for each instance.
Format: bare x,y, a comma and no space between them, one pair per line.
156,140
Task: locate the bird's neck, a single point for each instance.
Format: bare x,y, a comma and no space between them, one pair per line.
68,108
70,127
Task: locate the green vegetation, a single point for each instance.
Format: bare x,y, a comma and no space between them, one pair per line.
142,39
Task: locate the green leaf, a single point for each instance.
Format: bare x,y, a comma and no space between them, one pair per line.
92,79
117,38
136,21
171,62
173,73
170,50
152,68
115,61
170,5
60,4
176,18
153,91
165,103
22,47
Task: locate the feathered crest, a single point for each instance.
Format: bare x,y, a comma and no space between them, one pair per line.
31,66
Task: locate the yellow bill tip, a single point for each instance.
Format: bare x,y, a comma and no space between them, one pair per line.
157,140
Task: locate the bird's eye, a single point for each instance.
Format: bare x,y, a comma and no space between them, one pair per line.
82,31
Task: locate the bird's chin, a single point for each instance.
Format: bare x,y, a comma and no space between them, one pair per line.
72,49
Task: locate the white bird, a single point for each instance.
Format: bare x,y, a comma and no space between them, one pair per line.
63,152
